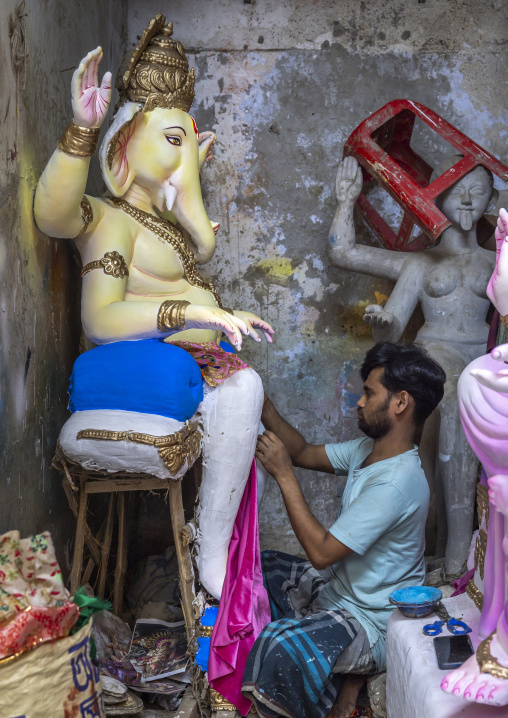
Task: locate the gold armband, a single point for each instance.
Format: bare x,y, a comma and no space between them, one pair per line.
112,263
87,214
80,141
171,315
504,320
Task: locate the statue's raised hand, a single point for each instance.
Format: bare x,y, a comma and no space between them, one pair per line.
497,291
349,180
377,318
89,101
498,381
206,141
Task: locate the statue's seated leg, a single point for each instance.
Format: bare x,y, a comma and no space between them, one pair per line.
458,468
231,413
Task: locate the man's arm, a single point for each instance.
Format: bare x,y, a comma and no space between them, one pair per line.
304,455
321,547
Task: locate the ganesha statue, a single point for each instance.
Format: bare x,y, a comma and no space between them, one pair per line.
156,322
483,405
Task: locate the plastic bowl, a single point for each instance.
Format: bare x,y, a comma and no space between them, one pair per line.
416,601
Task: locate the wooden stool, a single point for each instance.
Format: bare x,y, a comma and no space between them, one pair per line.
79,484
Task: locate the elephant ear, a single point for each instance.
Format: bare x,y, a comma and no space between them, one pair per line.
117,174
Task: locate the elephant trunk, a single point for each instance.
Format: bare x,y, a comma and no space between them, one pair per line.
189,210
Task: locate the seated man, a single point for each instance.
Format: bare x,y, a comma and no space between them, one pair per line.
330,612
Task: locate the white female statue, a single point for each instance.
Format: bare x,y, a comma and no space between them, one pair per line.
449,281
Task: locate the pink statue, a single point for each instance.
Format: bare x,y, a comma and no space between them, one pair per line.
483,405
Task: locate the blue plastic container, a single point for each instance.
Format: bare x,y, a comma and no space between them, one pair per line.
207,619
416,601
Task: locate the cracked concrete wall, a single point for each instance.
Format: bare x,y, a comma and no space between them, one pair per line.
283,83
41,44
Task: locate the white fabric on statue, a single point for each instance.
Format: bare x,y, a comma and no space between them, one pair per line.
412,675
101,455
230,415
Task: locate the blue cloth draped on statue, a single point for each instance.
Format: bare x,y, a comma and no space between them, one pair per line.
148,376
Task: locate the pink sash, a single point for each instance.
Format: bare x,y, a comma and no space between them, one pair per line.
244,609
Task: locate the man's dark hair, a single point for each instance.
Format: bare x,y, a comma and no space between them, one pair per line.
408,368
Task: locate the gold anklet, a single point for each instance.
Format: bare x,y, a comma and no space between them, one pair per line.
487,662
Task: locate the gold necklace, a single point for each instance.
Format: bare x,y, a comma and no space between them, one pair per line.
170,234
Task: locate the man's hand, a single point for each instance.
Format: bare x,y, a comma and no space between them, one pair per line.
274,456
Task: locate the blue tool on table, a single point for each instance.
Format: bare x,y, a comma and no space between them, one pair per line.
458,628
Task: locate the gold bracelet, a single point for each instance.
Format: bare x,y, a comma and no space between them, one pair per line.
171,315
504,320
80,141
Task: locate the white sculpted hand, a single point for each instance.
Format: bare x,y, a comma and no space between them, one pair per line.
377,318
251,320
199,316
349,180
89,101
498,381
206,141
497,291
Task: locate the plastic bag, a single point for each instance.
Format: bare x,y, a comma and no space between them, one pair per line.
56,680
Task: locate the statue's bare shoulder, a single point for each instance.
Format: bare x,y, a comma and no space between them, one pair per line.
111,230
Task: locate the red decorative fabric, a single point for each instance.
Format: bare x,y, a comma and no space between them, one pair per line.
35,607
36,625
216,364
244,609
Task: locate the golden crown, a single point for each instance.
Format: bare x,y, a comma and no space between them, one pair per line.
157,73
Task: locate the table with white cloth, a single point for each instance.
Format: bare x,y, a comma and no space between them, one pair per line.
413,684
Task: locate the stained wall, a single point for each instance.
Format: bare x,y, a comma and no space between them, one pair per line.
40,45
283,83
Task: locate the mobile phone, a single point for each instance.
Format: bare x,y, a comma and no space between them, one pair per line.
452,651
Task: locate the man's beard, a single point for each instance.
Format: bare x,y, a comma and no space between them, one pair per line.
380,424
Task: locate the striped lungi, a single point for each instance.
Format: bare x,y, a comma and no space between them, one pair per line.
296,667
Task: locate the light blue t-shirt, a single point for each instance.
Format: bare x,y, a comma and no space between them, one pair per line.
382,519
